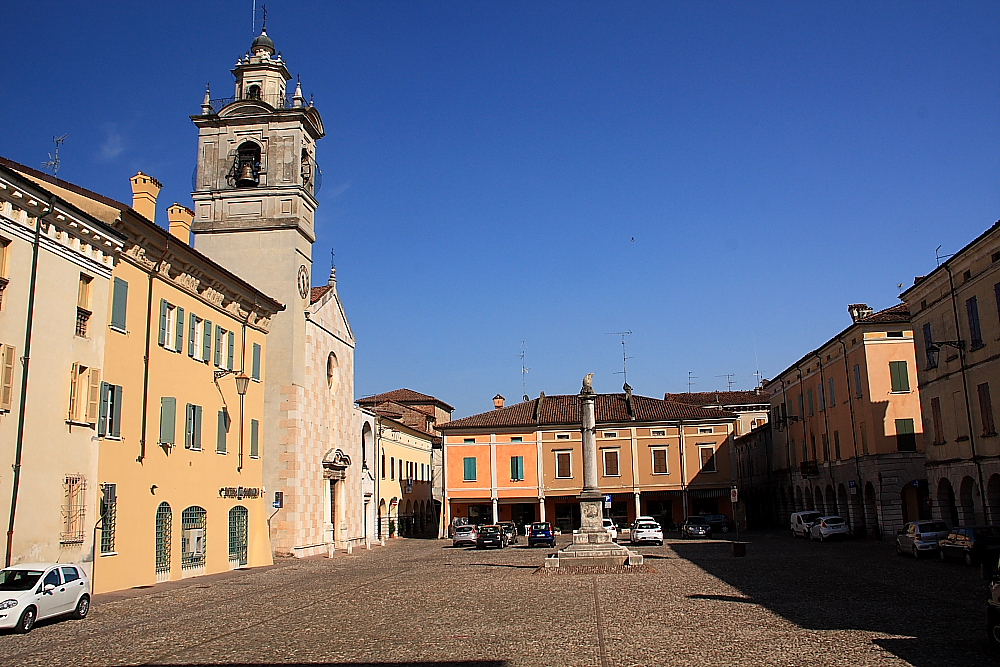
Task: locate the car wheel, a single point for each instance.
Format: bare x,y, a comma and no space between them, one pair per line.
26,622
82,608
968,558
725,529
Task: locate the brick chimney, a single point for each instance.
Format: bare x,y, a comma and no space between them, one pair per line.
498,401
180,218
145,189
859,311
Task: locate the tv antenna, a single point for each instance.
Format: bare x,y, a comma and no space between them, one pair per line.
253,19
524,375
938,257
53,161
691,380
729,379
625,357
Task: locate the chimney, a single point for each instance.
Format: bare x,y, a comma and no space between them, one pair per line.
144,192
859,311
180,218
498,401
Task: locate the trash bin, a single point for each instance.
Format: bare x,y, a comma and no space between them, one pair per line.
739,549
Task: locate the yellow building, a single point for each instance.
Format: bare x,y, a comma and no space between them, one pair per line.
180,447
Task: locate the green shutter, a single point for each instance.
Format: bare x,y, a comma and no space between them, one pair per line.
168,417
255,369
218,345
231,352
197,427
162,338
188,426
904,426
470,469
116,425
102,423
513,467
220,445
206,344
899,376
119,304
254,438
179,331
192,321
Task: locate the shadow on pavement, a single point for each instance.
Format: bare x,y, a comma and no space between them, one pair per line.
446,663
936,610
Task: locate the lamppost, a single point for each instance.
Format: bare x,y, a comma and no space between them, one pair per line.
242,384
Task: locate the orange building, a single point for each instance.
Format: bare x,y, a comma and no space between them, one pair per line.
524,462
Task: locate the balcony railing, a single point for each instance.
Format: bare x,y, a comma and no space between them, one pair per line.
276,101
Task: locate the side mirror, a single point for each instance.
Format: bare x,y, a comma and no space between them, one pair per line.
48,588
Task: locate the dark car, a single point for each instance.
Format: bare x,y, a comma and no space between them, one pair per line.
491,536
696,526
510,529
720,522
972,544
541,533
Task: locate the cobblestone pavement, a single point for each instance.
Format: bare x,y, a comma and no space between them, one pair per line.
788,603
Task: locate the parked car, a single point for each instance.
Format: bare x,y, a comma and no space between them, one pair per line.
455,523
802,521
465,536
541,532
919,537
491,536
828,528
35,591
510,529
972,544
720,523
647,531
609,525
696,526
643,519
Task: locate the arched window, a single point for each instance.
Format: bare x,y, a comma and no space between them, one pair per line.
164,527
239,521
193,538
253,92
245,172
332,372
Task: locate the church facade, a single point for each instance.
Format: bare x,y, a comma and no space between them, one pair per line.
255,203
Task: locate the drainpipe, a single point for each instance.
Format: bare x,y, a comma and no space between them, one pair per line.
965,387
22,401
805,439
145,359
684,491
854,436
826,410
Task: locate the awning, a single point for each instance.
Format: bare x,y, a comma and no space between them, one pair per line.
708,493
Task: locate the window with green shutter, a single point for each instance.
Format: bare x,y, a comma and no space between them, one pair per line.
168,416
255,369
206,343
231,350
469,463
218,345
906,438
192,427
162,335
899,377
220,446
179,331
517,468
192,334
254,439
119,305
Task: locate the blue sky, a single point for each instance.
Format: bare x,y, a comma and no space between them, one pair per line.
488,165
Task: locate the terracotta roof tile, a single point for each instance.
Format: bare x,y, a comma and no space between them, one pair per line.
403,396
318,292
898,314
704,398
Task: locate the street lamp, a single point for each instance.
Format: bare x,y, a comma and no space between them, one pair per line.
242,384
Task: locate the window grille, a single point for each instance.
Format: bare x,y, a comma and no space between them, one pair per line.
193,538
164,528
239,519
109,513
74,509
82,317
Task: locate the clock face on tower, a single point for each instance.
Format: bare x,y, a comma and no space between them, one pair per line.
303,281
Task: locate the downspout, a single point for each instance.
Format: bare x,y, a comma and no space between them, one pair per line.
965,387
684,491
826,412
854,436
243,364
378,476
145,359
22,400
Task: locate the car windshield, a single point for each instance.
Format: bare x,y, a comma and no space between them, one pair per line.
715,517
697,520
489,530
833,521
647,526
810,517
539,526
18,580
987,532
932,527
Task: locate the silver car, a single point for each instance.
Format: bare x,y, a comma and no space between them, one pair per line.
465,536
919,537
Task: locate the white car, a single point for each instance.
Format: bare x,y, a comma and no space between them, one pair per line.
612,529
828,527
35,591
801,521
647,531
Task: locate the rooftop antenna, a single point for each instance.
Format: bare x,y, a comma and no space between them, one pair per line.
938,257
625,357
691,380
756,363
53,161
524,375
729,379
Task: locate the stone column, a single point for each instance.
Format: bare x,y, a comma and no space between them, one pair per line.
591,500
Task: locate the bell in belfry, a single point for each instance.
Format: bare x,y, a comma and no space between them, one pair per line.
246,178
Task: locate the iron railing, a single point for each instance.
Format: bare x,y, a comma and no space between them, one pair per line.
276,101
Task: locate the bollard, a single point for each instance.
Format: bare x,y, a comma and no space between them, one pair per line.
350,547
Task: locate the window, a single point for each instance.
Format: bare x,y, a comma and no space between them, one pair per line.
958,409
802,410
7,377
826,447
83,305
906,439
168,417
562,436
193,529
893,334
564,465
223,430
794,453
707,455
836,444
936,421
986,409
110,422
833,394
469,469
899,377
517,438
857,380
611,463
109,512
119,304
812,408
383,465
74,509
70,574
254,439
610,434
392,467
219,334
196,334
469,441
864,438
932,356
255,368
171,334
4,250
225,348
658,434
230,349
517,468
706,429
206,341
812,444
84,394
660,461
822,398
975,332
192,427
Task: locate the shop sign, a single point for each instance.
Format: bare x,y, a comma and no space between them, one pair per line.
239,492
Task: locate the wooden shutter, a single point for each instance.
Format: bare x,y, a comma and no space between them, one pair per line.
179,331
218,345
220,445
102,422
188,426
206,342
254,438
119,304
74,370
94,396
513,468
231,352
660,461
898,376
192,322
168,418
470,469
610,462
162,338
255,369
116,424
7,385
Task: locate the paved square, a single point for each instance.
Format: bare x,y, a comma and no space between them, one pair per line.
413,602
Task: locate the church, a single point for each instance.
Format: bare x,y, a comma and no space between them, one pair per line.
255,201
